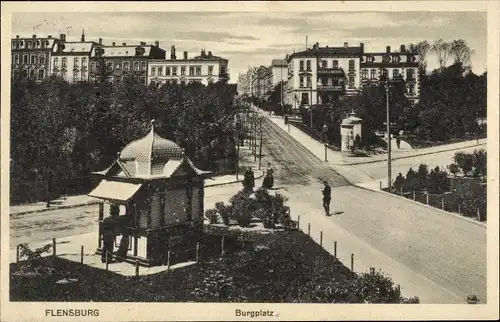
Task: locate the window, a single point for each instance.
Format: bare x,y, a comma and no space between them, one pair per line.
33,59
16,59
63,74
64,62
42,59
32,73
16,73
174,70
183,70
93,66
309,81
373,73
75,76
305,99
25,59
153,71
56,62
410,73
160,71
25,73
364,73
84,62
411,89
335,64
301,81
384,73
126,66
210,70
84,75
351,64
198,71
41,73
29,44
351,81
191,70
117,66
324,81
395,73
308,64
167,71
174,81
301,65
144,66
324,64
183,82
143,80
136,66
109,66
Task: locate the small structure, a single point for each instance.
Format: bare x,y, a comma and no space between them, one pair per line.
162,193
349,129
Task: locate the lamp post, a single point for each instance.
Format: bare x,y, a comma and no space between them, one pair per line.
325,130
389,171
238,131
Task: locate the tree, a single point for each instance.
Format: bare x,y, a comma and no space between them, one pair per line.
479,162
422,49
454,169
462,53
464,161
411,180
443,52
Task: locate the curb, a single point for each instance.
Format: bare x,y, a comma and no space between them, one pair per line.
232,182
427,206
55,208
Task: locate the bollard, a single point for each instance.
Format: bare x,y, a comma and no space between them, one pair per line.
197,251
17,254
168,260
427,197
335,249
53,247
222,247
298,222
136,268
81,255
401,191
107,261
309,229
414,195
321,239
352,262
380,184
442,203
478,215
459,209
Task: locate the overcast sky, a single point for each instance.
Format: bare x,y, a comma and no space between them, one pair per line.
255,38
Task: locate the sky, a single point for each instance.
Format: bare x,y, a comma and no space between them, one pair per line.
250,39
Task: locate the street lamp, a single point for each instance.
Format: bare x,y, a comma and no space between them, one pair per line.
325,130
389,171
238,133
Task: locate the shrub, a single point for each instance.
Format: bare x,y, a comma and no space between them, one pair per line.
224,211
479,162
34,263
454,169
211,214
438,181
422,175
411,180
242,208
464,161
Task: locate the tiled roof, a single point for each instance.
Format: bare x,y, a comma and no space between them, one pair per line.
123,51
70,47
310,52
279,62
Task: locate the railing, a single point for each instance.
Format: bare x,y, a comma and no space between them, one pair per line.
335,70
331,87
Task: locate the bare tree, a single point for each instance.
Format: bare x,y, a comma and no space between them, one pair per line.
422,49
443,52
462,53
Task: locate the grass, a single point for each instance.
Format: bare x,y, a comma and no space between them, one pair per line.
281,266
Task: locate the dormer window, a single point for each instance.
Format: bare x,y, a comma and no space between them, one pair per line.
29,44
139,51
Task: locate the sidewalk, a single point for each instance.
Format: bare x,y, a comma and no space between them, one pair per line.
339,158
85,200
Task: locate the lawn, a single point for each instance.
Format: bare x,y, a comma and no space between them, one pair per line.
278,266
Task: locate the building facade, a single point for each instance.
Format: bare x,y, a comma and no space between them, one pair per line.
243,85
31,57
320,75
70,60
116,62
205,68
279,69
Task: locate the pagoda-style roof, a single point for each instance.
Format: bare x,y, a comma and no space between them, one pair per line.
351,119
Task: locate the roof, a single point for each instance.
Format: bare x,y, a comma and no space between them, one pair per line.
209,58
279,62
310,52
115,190
69,47
123,51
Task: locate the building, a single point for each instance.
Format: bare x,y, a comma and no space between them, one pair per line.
116,62
31,57
70,60
205,68
279,69
243,85
320,75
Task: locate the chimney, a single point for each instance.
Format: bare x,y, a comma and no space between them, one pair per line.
209,54
346,45
157,43
83,36
100,41
403,49
49,36
34,36
388,49
362,47
172,52
114,43
124,44
143,43
63,37
185,55
17,36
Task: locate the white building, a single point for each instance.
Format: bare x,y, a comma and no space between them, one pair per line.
70,60
279,69
205,68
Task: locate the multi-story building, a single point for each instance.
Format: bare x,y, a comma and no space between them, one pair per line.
392,66
70,60
320,75
205,68
116,62
279,69
31,57
243,86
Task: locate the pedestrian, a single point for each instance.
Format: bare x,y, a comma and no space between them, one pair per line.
248,180
351,142
398,141
108,238
327,195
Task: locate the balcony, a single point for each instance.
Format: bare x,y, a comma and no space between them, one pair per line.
334,88
330,71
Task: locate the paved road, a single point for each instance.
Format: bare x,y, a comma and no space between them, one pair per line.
378,170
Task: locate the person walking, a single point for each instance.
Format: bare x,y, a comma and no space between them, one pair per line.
249,180
327,196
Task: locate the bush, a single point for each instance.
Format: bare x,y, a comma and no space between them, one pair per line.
479,162
34,263
212,216
422,175
411,180
464,161
438,181
224,211
454,169
242,208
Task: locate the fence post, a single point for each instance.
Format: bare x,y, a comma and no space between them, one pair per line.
222,247
107,260
17,254
335,249
427,197
309,229
414,195
53,247
478,215
136,268
401,191
352,262
321,239
197,251
168,260
442,203
81,255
